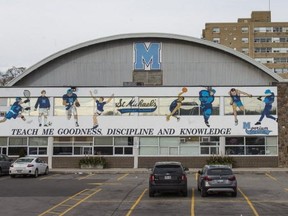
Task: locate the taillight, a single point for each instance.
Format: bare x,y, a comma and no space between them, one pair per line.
232,178
152,178
184,178
30,165
206,178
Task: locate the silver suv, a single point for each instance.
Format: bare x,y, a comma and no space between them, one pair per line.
216,178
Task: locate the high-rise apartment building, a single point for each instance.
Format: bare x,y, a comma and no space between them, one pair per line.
258,37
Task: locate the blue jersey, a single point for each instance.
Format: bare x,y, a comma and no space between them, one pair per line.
206,99
174,104
235,98
69,100
42,102
269,99
14,110
100,105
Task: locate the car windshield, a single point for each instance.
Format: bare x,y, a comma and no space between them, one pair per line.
169,168
219,171
24,160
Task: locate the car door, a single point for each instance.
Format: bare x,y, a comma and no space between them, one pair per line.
4,163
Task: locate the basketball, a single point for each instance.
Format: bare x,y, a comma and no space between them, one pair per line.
184,89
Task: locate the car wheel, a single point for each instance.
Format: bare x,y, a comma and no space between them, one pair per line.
234,194
199,189
151,193
1,172
36,173
12,176
203,191
46,171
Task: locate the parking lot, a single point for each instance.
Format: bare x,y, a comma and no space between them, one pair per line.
127,194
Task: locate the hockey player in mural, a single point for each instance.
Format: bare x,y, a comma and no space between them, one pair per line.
206,97
44,106
236,101
16,110
70,101
268,100
175,106
100,103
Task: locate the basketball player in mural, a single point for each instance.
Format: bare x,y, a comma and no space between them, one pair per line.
100,103
70,101
268,100
206,97
16,110
235,102
175,105
44,106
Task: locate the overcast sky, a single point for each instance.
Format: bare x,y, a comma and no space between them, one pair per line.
31,30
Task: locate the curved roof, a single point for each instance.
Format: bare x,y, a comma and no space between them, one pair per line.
148,35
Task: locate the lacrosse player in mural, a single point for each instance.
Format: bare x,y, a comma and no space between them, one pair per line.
71,103
175,105
236,101
268,100
206,97
16,110
44,106
100,103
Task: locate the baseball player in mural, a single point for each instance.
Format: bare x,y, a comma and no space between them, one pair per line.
100,103
44,106
268,100
206,97
176,105
236,101
16,110
71,103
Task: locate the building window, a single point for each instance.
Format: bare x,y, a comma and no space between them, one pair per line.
244,29
3,145
245,40
245,50
216,30
37,145
216,40
17,146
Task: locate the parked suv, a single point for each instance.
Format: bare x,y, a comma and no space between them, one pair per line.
216,178
5,163
168,177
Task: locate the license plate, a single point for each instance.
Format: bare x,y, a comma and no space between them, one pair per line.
220,181
167,177
19,171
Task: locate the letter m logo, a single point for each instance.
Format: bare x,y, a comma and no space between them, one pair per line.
147,56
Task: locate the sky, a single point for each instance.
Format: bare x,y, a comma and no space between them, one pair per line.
31,30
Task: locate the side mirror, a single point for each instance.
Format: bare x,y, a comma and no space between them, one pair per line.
186,169
200,172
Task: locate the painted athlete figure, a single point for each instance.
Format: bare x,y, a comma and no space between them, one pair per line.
206,98
236,101
268,100
69,101
100,103
175,106
16,110
44,106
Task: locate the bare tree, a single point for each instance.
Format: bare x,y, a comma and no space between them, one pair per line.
6,77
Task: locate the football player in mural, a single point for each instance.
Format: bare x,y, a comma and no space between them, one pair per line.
236,101
100,103
44,106
16,110
176,105
268,100
71,103
206,97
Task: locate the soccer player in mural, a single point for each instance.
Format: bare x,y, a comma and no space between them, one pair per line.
16,110
44,106
236,101
268,100
70,101
175,105
206,97
100,103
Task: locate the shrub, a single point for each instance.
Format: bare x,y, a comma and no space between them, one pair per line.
93,161
223,160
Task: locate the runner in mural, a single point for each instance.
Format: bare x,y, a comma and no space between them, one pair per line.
206,97
176,105
236,101
44,106
71,103
100,103
16,110
268,100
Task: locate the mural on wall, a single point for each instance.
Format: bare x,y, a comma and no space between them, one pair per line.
100,103
235,95
139,111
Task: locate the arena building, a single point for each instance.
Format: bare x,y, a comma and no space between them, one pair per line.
139,98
